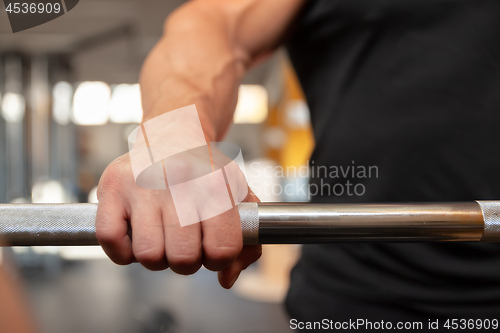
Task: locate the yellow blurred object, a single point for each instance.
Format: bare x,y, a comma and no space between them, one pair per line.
292,116
270,283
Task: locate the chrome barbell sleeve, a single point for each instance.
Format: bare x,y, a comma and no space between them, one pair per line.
279,223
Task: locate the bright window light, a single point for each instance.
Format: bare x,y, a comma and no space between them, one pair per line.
49,192
126,104
252,105
62,95
91,103
82,253
13,107
92,197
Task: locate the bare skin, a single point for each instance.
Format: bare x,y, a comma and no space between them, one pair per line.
206,49
14,314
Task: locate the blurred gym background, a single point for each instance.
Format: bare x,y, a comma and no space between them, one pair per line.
69,98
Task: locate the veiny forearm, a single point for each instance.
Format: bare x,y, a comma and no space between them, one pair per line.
205,50
194,63
207,47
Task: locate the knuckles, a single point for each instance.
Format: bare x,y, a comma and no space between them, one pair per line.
116,175
218,257
222,253
117,180
122,261
151,258
106,236
185,264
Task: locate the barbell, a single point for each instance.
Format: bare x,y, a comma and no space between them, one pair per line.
279,223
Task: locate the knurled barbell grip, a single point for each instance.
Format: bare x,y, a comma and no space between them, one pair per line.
48,224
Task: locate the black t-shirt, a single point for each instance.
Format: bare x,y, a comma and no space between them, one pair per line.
411,87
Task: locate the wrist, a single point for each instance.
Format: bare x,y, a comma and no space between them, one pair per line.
206,116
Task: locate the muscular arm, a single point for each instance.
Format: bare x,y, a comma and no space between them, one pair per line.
206,48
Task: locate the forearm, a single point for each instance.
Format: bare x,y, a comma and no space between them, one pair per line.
206,48
205,51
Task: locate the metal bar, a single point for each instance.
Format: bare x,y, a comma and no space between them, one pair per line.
323,223
279,223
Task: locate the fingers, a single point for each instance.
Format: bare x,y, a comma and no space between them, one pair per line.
248,255
158,241
112,230
222,240
182,244
148,243
229,275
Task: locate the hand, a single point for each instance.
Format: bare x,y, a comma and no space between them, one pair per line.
158,241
